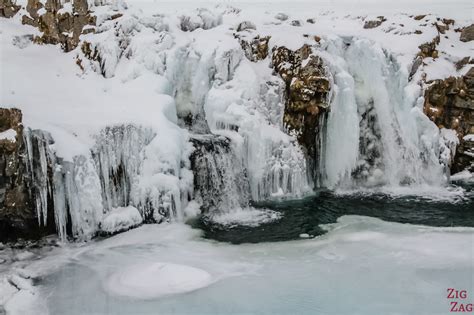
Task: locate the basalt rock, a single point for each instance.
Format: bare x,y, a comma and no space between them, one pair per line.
255,48
307,95
8,8
467,33
450,104
58,25
17,213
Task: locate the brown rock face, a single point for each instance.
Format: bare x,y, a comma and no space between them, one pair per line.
450,104
8,8
307,89
59,27
17,214
467,34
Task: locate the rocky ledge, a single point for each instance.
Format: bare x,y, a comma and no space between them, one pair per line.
450,104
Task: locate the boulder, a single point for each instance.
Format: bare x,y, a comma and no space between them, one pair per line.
467,33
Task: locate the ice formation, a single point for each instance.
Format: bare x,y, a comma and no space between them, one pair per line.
377,133
180,96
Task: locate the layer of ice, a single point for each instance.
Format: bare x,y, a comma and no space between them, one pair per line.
154,280
244,217
344,271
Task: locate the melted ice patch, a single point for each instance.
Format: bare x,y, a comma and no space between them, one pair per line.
156,279
245,216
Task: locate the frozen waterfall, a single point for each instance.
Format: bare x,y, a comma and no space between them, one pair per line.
233,147
122,169
377,133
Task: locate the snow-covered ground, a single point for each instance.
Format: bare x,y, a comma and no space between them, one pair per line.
361,266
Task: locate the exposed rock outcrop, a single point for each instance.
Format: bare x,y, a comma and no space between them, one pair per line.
467,33
60,23
450,104
8,8
255,48
307,89
429,49
374,23
18,217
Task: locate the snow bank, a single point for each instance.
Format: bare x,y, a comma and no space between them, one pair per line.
120,219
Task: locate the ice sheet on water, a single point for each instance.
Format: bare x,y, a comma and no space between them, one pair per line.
156,279
248,216
344,271
422,192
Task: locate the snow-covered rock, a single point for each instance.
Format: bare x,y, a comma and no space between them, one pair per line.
120,219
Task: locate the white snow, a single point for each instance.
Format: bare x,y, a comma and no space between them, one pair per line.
9,135
120,219
469,137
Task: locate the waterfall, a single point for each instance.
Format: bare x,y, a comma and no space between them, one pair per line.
376,133
220,181
218,92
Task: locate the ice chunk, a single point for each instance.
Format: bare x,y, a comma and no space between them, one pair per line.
244,216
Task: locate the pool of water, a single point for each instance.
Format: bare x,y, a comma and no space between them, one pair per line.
304,216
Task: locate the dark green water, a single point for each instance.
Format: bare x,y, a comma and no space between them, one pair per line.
305,215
